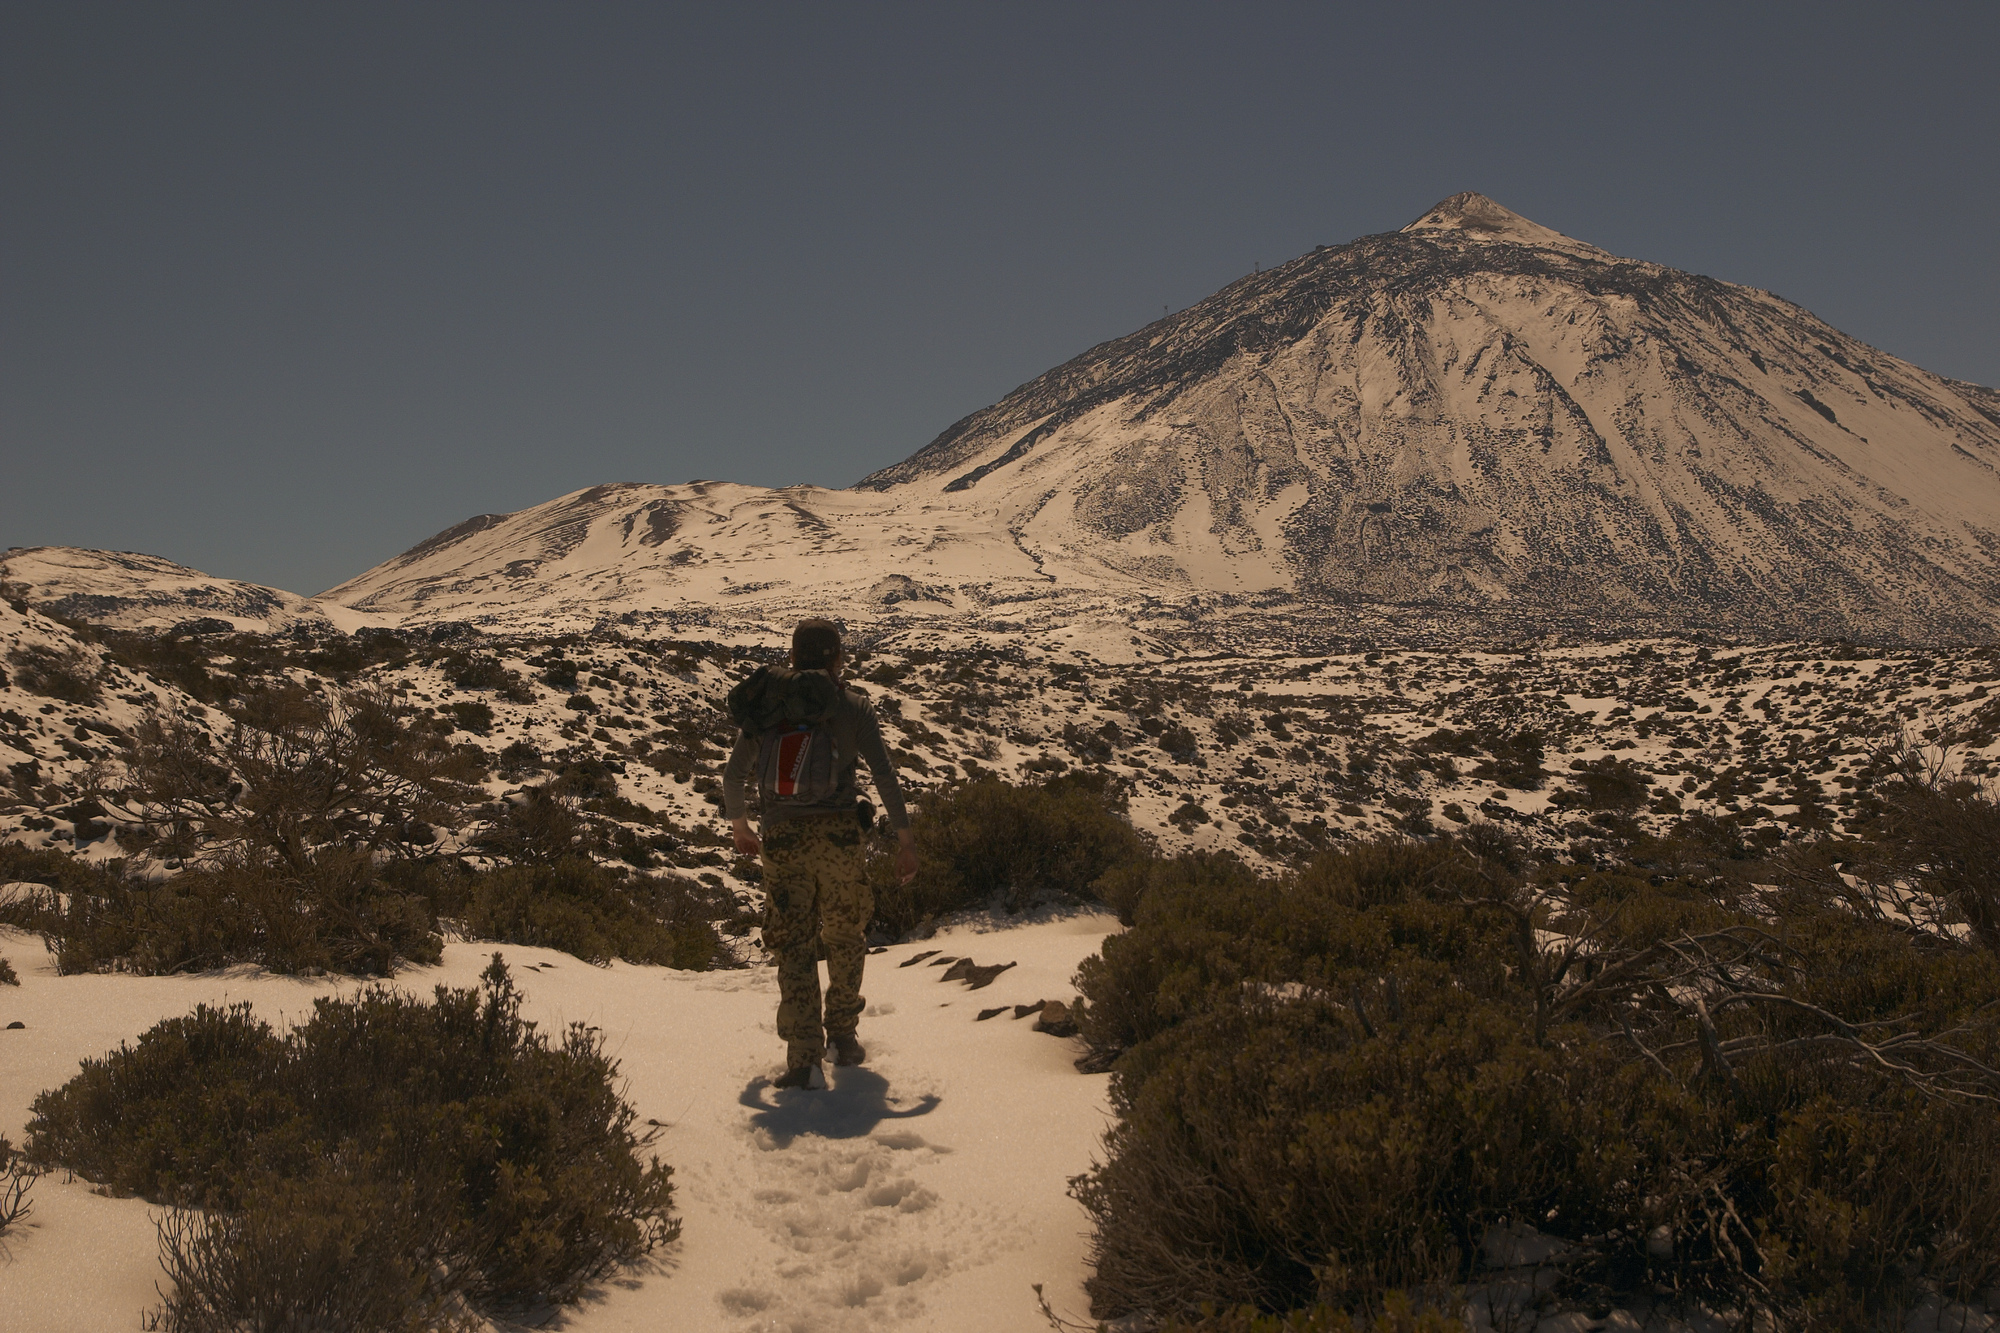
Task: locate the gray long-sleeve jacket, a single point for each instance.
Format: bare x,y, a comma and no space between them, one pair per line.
856,736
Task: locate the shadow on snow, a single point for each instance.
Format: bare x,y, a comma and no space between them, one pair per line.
851,1108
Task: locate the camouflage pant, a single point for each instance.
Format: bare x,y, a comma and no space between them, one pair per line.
815,892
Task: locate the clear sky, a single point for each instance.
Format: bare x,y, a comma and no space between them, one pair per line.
286,288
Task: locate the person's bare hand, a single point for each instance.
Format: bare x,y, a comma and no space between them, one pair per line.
746,841
906,857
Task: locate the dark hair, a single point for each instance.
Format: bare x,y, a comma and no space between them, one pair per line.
815,643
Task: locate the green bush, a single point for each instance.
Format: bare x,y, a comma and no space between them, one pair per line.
1330,1086
329,1251
370,1166
1516,762
1607,784
992,842
475,717
350,914
599,913
339,914
1124,886
520,756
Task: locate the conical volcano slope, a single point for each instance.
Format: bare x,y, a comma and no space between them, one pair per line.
1474,421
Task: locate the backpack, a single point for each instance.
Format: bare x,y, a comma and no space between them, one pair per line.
788,712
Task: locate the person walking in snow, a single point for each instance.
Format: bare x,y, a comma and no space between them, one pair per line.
803,732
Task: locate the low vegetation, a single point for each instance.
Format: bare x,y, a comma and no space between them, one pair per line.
1721,1026
598,912
67,674
1332,1085
388,1164
989,843
303,841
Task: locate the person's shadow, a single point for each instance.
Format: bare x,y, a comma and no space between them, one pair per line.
856,1102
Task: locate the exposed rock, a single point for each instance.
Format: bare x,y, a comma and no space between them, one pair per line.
1056,1019
976,976
982,977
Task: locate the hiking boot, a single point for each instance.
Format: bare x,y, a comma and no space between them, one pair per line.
848,1051
798,1076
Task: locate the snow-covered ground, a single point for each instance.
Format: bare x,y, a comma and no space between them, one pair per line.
925,1189
1266,755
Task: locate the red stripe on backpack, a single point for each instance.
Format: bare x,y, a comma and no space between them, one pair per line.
794,747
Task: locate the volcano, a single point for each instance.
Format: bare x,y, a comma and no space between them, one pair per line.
1472,424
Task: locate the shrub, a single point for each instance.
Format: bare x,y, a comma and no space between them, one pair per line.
341,914
1516,761
1609,784
476,671
1398,1317
7,974
288,823
330,1251
171,659
422,1151
598,913
69,674
17,1179
520,756
475,717
990,841
1124,886
1944,839
1333,1084
299,772
356,916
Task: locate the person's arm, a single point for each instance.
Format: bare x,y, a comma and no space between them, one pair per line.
868,737
735,803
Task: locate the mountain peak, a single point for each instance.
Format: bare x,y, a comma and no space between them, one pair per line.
1475,215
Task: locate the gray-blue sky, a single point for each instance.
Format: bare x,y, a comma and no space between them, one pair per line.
286,288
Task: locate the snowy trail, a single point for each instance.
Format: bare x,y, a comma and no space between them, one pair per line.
924,1190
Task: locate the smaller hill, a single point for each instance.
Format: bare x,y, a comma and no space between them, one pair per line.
130,591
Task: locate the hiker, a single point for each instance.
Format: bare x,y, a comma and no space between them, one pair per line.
803,731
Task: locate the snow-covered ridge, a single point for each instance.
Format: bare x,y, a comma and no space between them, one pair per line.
128,590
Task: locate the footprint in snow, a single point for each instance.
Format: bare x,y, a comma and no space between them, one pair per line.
856,1236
